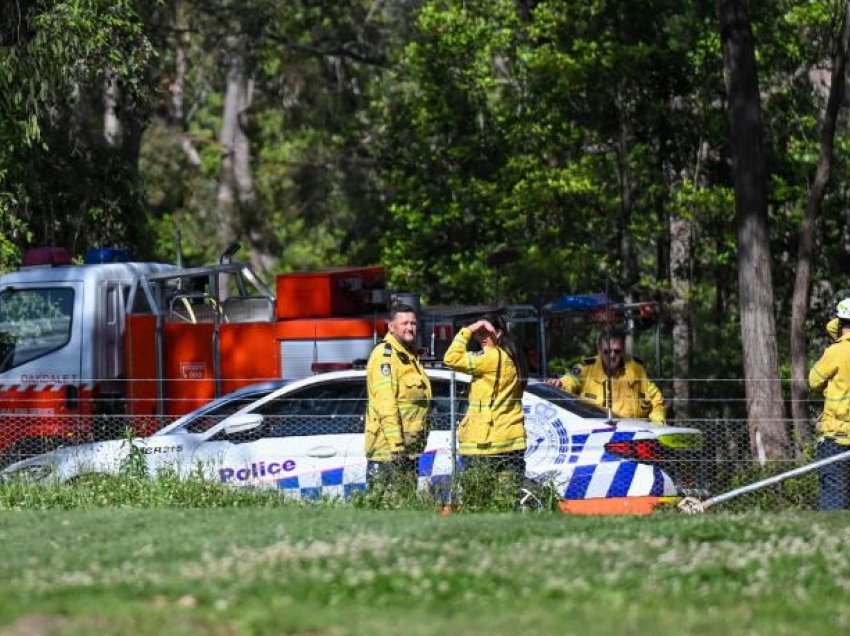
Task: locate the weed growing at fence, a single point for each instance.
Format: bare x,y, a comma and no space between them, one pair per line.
104,491
393,492
134,463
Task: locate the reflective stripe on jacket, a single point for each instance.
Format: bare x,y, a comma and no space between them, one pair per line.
399,395
831,376
632,394
494,422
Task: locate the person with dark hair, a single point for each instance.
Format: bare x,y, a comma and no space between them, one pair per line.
399,394
612,380
492,434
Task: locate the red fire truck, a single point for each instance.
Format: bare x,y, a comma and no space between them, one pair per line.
86,350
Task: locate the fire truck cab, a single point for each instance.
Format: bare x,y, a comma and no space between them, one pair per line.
61,327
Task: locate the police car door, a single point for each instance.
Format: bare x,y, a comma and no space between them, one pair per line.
310,442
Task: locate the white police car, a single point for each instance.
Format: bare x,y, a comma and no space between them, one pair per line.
306,438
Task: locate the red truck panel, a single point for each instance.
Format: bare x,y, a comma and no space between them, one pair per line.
335,292
188,367
140,356
331,328
249,354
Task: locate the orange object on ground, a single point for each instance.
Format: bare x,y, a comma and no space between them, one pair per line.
615,505
600,506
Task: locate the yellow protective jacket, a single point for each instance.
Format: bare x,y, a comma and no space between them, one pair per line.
399,396
632,393
494,422
833,328
831,376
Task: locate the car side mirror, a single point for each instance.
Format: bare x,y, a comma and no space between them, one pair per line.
243,423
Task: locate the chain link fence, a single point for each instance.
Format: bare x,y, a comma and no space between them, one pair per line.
723,462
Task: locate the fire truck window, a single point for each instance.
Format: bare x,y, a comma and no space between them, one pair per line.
33,322
140,301
329,408
441,404
111,308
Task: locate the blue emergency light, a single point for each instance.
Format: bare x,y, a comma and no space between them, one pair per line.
579,303
107,255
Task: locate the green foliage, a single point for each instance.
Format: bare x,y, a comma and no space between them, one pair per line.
134,465
133,489
524,140
798,493
310,166
398,492
58,179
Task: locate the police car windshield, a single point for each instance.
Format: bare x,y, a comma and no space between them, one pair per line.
566,401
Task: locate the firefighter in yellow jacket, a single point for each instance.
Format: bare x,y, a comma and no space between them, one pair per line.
399,394
616,381
831,376
492,433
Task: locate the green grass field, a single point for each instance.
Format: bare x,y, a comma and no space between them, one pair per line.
338,570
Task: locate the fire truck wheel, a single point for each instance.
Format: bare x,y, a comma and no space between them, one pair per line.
28,447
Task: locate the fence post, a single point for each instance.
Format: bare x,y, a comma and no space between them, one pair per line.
452,436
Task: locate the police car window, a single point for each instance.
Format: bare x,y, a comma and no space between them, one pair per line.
441,404
327,408
566,401
33,322
206,420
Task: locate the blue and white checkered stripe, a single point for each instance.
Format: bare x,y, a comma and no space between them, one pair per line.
597,473
337,482
618,479
343,481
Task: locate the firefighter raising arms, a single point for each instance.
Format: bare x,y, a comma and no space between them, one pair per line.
611,379
399,395
492,434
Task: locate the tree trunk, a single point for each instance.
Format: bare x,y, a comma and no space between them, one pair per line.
177,88
765,410
802,282
681,233
235,96
628,260
111,123
680,253
237,195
